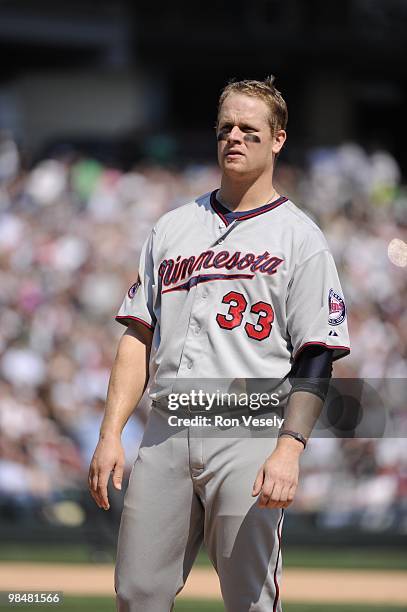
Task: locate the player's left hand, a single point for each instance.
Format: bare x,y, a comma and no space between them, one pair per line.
277,479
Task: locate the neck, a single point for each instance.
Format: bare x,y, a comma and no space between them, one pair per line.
246,195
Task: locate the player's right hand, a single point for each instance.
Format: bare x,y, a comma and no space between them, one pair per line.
108,458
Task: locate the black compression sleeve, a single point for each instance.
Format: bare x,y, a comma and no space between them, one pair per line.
312,371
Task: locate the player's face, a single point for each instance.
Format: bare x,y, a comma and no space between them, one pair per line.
246,145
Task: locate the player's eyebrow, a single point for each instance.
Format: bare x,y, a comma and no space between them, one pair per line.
242,126
249,126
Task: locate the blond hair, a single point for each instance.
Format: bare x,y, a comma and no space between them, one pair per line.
266,91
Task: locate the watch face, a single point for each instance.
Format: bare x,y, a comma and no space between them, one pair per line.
293,434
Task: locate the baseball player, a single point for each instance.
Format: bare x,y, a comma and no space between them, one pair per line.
238,284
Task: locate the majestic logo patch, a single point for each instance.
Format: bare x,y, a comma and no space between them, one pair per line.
133,289
337,308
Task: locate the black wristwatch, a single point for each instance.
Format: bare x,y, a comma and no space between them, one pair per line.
293,434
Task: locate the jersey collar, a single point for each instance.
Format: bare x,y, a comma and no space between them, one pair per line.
221,210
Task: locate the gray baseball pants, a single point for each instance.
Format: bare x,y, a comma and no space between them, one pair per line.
186,489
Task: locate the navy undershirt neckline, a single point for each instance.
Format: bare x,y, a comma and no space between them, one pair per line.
231,215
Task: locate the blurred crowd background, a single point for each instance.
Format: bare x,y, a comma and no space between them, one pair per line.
70,234
75,209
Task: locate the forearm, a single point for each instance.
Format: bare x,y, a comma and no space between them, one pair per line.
301,414
303,411
309,377
128,380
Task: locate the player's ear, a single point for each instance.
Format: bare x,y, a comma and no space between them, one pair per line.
279,139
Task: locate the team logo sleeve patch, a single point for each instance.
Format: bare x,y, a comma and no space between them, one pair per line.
133,289
337,308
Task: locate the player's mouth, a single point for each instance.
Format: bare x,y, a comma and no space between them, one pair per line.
232,153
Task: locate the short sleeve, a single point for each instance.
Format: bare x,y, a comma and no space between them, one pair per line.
315,307
138,303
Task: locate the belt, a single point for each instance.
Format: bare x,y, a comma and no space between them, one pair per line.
162,405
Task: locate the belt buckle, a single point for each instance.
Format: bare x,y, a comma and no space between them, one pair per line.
201,409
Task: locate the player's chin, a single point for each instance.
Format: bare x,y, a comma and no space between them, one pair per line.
234,160
234,168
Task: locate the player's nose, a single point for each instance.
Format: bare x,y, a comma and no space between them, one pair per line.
235,135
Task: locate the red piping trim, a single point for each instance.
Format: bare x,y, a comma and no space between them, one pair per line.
328,346
118,319
277,595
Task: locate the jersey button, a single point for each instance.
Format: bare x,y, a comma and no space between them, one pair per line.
197,329
204,294
189,365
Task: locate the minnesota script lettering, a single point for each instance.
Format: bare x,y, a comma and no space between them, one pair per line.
172,271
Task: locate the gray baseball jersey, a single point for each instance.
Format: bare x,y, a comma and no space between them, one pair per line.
238,300
226,299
